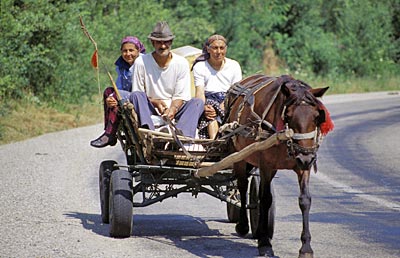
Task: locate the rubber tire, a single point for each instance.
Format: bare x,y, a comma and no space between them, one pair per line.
105,170
255,213
233,211
121,207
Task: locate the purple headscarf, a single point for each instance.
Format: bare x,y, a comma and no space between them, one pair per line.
135,41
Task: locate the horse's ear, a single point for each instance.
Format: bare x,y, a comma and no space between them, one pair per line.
321,117
319,92
285,90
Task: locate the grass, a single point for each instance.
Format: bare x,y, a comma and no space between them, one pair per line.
340,85
26,119
358,85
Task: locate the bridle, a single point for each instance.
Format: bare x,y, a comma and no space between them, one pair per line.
254,129
294,148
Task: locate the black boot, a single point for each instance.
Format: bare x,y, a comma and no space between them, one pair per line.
104,140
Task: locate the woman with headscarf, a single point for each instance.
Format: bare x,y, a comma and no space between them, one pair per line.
131,48
213,74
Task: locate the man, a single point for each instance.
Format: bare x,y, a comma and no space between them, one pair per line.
161,85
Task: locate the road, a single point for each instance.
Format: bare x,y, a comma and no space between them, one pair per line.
50,208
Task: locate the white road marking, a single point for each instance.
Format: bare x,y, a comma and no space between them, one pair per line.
349,189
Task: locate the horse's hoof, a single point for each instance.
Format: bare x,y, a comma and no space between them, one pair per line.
267,252
306,255
242,230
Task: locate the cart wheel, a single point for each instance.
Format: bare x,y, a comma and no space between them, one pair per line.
106,167
254,204
233,213
121,196
232,210
255,212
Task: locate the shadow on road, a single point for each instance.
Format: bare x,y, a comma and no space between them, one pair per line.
191,234
387,225
90,222
181,231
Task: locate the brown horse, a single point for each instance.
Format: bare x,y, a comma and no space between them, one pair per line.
257,107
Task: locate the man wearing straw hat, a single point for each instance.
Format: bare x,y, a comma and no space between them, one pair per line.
161,85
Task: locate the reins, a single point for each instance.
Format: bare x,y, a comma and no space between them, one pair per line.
253,129
238,90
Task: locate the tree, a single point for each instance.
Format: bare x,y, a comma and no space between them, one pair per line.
364,34
44,53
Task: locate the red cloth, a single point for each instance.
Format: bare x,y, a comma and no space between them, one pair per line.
94,59
328,125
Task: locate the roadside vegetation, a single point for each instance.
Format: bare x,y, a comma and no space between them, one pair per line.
47,83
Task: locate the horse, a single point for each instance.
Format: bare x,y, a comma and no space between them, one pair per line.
257,107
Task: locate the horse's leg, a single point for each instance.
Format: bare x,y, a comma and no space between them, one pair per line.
305,205
242,227
263,236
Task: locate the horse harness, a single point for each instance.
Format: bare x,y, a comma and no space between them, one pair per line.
253,129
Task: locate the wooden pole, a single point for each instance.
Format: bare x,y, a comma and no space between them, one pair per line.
244,153
86,32
114,86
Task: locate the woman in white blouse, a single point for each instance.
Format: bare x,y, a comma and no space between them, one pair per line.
213,74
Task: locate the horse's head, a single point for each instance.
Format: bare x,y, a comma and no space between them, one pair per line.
303,113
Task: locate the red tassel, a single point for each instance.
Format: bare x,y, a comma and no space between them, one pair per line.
94,59
328,125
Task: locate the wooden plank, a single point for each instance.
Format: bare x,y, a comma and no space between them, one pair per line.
244,153
169,137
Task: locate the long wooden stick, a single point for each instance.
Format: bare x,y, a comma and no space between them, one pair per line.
114,86
244,153
86,32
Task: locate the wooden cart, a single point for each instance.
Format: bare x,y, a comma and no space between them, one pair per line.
159,167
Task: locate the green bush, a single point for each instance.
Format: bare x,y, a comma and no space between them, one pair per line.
43,52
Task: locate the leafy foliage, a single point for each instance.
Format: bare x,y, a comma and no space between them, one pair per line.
43,52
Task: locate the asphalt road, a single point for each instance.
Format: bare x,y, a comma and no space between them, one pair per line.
50,203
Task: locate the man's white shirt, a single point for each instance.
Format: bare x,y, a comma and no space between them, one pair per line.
169,83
